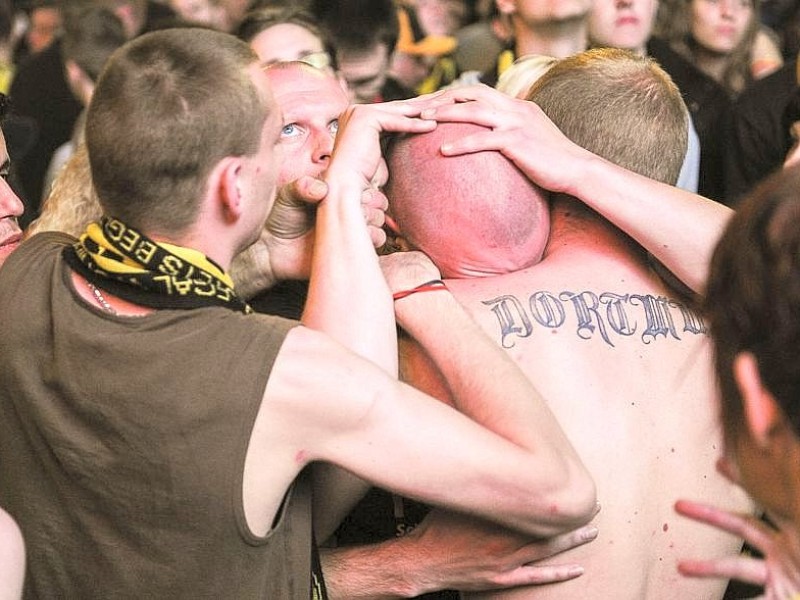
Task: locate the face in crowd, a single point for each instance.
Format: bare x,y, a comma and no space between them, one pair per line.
311,102
720,25
10,208
625,24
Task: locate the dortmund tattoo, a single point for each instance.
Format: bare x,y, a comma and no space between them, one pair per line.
609,316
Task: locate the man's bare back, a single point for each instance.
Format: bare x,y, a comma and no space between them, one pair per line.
625,367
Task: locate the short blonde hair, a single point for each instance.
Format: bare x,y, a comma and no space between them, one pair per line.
620,106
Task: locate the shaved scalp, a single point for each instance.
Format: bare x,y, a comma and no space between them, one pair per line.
475,214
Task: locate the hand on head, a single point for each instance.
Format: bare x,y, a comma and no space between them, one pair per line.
517,128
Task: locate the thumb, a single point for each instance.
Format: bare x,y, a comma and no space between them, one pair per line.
308,189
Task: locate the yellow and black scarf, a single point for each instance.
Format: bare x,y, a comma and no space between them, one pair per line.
124,262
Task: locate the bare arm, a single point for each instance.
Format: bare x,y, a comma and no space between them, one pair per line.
677,227
448,551
12,558
348,298
778,572
491,389
324,403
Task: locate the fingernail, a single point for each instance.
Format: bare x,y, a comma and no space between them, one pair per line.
575,571
428,113
590,533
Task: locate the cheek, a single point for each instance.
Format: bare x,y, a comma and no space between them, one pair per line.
744,20
294,165
700,17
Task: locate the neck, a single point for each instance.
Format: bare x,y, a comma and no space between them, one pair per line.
200,242
558,39
576,227
712,64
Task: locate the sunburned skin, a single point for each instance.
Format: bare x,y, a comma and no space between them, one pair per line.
627,375
624,363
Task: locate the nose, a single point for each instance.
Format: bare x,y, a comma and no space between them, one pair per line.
10,204
727,7
323,147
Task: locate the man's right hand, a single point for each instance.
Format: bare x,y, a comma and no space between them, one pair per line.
518,129
469,554
449,551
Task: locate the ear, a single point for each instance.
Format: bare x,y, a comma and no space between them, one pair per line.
762,414
74,72
506,7
224,182
79,82
397,239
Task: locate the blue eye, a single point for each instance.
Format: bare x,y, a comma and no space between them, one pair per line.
333,126
290,130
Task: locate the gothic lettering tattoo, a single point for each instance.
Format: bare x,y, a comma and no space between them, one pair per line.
609,316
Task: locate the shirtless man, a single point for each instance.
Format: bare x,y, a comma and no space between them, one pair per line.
622,359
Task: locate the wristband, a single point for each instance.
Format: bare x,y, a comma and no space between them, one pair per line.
428,286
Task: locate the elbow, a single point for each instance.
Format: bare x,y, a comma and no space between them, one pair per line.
579,499
571,503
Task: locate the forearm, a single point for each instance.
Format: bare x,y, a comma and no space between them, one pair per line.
505,401
349,300
375,572
679,228
348,296
492,390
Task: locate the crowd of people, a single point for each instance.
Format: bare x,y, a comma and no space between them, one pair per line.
491,299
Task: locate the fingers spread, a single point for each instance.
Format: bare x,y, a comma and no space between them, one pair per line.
748,570
530,575
752,530
559,543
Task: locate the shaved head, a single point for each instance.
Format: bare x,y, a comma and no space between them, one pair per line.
474,215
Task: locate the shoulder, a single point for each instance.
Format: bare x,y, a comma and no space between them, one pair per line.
34,250
697,87
12,552
12,536
769,95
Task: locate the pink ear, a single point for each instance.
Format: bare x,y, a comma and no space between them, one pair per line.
762,413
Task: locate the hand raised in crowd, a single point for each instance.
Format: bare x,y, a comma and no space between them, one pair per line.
288,235
357,149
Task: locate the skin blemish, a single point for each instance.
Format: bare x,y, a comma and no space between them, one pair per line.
665,528
300,457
